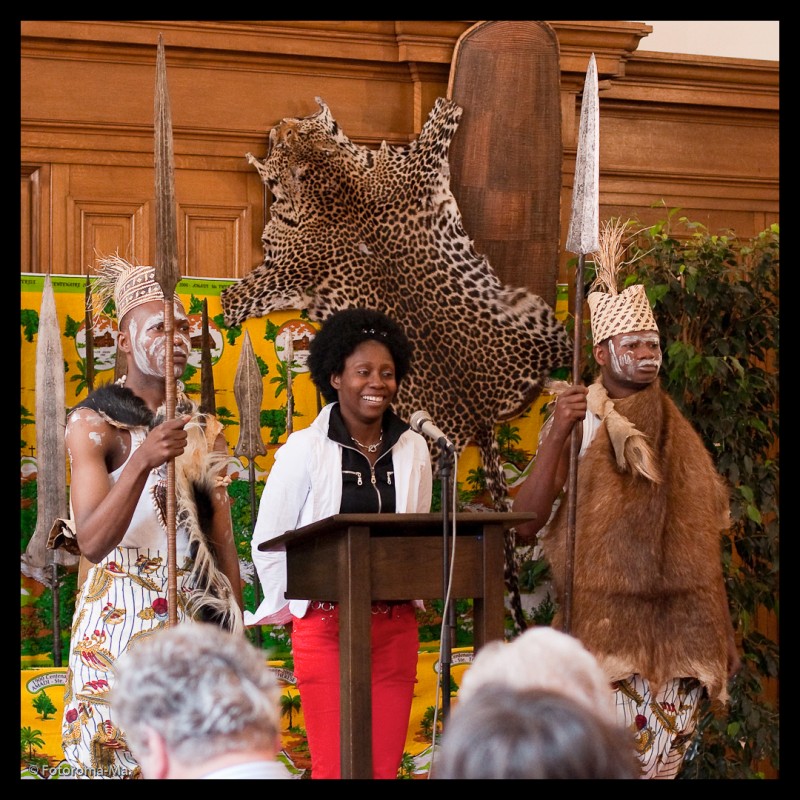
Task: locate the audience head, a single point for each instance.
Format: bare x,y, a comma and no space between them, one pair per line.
544,658
503,732
193,693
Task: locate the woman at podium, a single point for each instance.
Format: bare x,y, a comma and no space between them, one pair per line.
356,457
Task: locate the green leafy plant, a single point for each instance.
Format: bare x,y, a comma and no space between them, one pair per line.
430,622
290,705
26,418
232,333
67,591
43,704
533,573
716,302
507,437
281,380
71,327
243,507
476,478
29,319
407,767
426,723
28,739
80,377
226,416
28,499
274,420
463,496
188,379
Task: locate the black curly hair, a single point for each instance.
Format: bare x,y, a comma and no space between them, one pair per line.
345,330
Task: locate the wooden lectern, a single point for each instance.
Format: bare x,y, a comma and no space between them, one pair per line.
354,559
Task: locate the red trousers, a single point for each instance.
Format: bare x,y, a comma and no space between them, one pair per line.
315,649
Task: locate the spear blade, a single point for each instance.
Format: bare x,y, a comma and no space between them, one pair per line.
88,327
584,224
166,265
583,238
208,403
51,453
248,389
51,419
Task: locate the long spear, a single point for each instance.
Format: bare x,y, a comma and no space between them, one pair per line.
582,238
51,452
248,389
167,276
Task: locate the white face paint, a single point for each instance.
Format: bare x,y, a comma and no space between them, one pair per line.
635,357
149,345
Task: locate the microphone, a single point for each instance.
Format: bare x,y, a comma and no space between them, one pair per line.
421,423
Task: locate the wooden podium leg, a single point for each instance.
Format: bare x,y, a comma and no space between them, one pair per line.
355,656
489,609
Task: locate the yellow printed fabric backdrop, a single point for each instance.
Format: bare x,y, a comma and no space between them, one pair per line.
268,336
283,388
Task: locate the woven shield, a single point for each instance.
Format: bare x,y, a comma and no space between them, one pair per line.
505,157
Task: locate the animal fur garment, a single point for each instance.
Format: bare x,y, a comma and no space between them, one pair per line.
631,447
648,593
352,227
197,474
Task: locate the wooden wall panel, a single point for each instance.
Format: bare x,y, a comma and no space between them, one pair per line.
34,216
698,133
26,215
700,150
220,219
214,238
100,229
100,210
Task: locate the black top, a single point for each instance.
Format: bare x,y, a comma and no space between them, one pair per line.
366,488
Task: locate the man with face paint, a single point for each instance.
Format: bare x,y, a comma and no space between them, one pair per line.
648,596
119,443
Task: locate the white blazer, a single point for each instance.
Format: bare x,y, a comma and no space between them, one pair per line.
305,485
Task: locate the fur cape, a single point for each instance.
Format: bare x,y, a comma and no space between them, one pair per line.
648,594
197,474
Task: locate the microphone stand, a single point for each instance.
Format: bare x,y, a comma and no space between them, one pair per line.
448,610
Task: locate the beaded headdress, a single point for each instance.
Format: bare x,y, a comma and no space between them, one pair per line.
128,285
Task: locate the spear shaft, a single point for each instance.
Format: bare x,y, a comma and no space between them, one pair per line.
289,383
582,238
167,276
251,474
